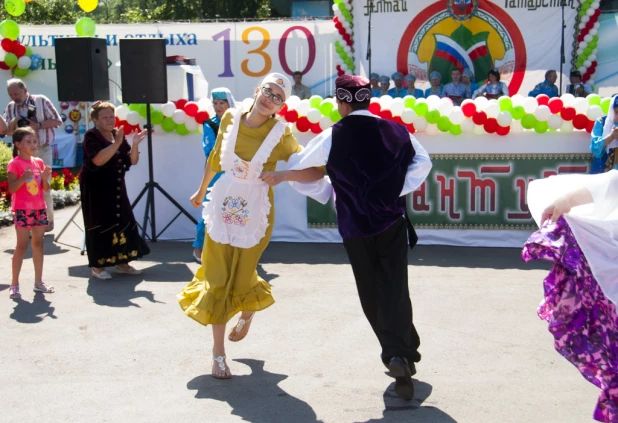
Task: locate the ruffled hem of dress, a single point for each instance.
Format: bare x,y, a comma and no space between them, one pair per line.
203,307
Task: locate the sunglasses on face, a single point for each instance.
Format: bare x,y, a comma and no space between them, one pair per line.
268,93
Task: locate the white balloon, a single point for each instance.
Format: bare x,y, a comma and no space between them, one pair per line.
374,100
191,125
518,100
530,104
580,51
294,128
504,119
583,44
397,108
122,111
481,102
587,63
585,19
516,127
542,113
467,125
179,117
292,102
133,118
479,130
595,5
581,105
168,109
592,57
156,107
582,69
597,25
588,38
445,107
582,25
590,12
325,122
24,62
592,33
420,124
203,103
386,101
492,109
334,7
594,112
591,82
432,129
567,99
433,101
303,107
408,116
456,116
314,115
567,126
555,122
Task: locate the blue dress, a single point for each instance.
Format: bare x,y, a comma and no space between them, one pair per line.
394,92
208,143
430,91
602,161
418,93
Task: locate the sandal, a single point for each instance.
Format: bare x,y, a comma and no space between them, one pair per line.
14,293
43,287
220,361
241,329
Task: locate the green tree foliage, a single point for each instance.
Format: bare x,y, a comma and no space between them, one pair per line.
133,11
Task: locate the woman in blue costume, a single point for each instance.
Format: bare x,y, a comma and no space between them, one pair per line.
605,140
493,88
467,78
436,89
411,90
222,99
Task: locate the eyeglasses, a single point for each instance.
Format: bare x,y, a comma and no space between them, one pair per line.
268,93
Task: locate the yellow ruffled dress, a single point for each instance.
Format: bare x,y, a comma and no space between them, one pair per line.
227,281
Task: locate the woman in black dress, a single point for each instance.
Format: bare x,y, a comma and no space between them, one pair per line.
112,237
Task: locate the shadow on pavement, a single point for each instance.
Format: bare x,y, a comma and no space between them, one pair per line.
49,247
422,255
34,312
256,398
398,410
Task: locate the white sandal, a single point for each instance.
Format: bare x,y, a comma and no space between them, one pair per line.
239,327
221,362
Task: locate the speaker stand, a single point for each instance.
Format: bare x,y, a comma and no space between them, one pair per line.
149,190
72,220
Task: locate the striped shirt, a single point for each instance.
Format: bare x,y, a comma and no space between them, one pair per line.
45,110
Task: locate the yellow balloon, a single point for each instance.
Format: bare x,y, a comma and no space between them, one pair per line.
88,5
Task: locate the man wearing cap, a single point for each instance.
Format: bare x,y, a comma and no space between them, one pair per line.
372,164
547,87
385,82
375,84
410,90
455,90
398,90
577,87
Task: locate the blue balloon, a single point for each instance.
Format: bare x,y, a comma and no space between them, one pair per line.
69,129
36,61
82,128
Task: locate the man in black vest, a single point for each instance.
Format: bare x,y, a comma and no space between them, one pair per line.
372,163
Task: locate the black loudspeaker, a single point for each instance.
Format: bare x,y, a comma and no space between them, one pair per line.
143,71
81,69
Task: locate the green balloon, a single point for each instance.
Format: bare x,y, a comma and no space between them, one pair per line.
28,52
444,124
156,117
9,29
326,107
21,72
182,129
541,127
432,116
587,51
134,107
455,130
15,7
582,13
594,99
341,7
421,109
605,105
528,121
315,101
409,102
85,27
168,124
335,116
505,103
10,59
518,112
142,110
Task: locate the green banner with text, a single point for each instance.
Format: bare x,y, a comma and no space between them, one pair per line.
473,191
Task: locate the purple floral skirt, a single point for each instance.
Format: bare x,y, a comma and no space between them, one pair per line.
582,320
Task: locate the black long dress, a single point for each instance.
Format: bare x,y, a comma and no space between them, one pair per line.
112,235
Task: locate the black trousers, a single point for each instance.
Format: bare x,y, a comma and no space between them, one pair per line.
380,266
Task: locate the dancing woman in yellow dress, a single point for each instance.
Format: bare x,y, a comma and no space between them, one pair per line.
240,215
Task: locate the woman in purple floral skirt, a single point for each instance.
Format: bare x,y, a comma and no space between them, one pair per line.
578,219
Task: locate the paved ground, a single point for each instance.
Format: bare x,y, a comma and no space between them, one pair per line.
122,351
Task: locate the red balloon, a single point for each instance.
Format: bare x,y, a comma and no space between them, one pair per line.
375,108
335,19
191,108
568,113
341,31
7,45
180,104
580,121
491,125
590,126
315,128
542,99
127,128
555,105
479,118
116,122
283,110
303,124
468,109
398,120
411,128
19,49
503,130
4,66
201,116
291,116
386,114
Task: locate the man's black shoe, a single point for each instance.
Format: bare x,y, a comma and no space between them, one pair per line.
400,370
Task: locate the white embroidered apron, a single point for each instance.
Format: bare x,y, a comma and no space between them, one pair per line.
238,207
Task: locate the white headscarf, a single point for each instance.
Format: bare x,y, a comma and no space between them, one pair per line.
609,122
220,92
